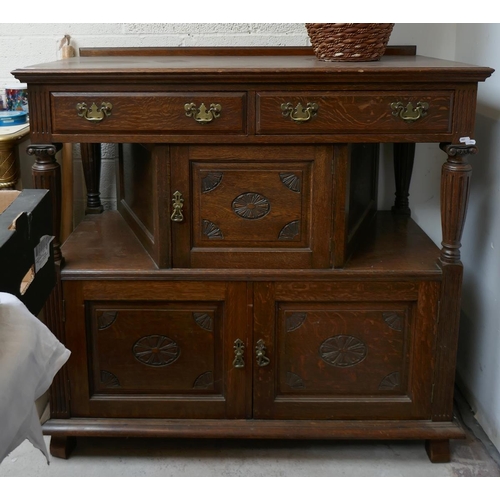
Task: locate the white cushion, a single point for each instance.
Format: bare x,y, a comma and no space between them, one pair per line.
30,356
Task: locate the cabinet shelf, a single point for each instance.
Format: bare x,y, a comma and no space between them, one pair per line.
103,246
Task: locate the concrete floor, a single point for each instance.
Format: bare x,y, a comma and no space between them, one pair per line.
108,457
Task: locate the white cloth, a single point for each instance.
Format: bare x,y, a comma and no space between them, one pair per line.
30,356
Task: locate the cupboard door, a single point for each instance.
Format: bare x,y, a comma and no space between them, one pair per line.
345,351
157,349
252,207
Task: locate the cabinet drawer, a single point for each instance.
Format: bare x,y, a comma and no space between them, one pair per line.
342,112
199,113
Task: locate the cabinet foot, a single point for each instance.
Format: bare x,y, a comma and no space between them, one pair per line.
62,446
438,450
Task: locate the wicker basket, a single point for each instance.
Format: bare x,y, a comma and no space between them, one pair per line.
349,41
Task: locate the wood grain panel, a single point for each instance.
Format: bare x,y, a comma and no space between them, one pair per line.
251,205
148,112
350,349
353,111
167,355
266,210
155,349
354,359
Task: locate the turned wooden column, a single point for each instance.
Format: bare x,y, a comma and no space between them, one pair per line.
455,182
404,157
47,175
91,160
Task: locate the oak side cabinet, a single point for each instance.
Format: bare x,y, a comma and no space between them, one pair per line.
247,285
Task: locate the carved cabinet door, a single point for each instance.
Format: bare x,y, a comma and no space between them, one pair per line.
251,206
155,349
344,350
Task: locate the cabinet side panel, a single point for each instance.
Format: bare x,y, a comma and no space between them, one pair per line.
363,189
142,176
135,192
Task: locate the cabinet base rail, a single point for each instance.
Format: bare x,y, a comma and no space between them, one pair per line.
436,434
255,429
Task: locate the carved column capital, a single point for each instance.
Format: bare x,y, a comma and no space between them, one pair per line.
43,152
457,151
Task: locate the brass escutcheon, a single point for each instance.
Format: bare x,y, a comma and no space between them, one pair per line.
260,351
202,114
239,350
177,203
409,113
298,113
94,113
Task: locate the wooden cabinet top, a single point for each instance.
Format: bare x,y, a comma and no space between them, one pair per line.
261,94
248,68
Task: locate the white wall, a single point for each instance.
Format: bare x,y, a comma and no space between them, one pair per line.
25,44
479,371
479,352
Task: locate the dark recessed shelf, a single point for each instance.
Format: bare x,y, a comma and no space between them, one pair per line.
103,246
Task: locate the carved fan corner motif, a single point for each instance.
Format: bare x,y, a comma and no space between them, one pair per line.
290,231
105,319
295,320
394,320
109,380
291,181
390,382
204,381
211,181
211,230
294,381
204,320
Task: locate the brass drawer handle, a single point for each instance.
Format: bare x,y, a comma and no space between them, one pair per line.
239,351
299,114
409,113
177,203
202,114
94,113
260,351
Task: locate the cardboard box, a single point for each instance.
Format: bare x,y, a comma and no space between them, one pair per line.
26,254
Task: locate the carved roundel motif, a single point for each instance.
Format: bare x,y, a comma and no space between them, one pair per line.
156,350
343,351
251,206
